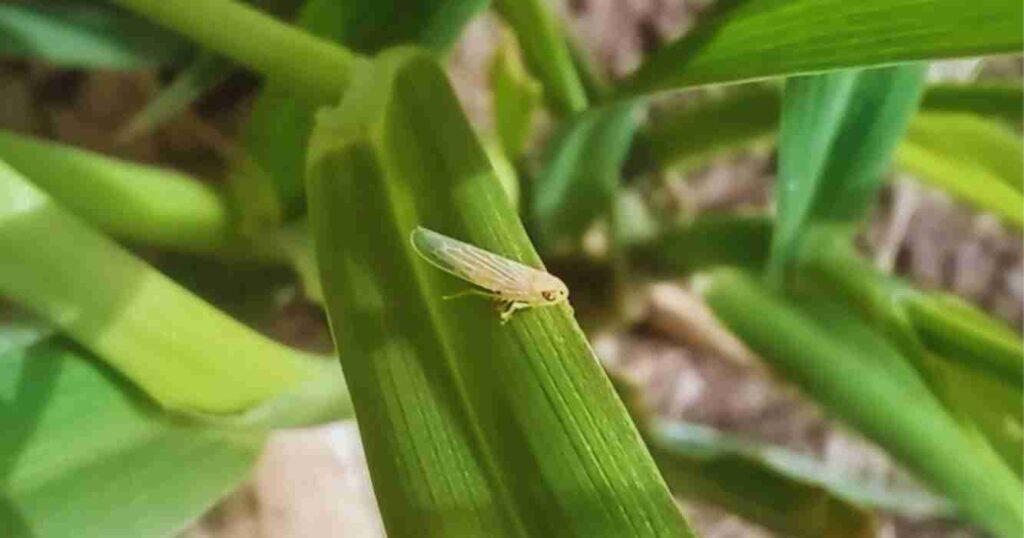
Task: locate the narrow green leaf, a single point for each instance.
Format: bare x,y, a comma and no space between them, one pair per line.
976,143
84,454
180,350
20,329
471,427
1005,101
746,39
707,242
279,128
798,486
205,72
547,52
836,139
583,172
694,135
691,136
864,380
516,96
90,35
319,78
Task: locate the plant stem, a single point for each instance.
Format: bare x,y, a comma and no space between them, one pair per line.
311,66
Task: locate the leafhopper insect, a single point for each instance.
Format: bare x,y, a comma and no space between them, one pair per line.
513,285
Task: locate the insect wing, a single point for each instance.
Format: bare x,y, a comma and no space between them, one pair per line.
473,264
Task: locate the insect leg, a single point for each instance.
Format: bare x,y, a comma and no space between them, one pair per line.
509,307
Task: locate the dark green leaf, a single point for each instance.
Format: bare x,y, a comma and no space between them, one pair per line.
707,242
85,454
91,35
997,101
583,172
763,38
471,427
837,135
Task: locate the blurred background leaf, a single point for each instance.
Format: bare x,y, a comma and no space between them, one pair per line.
77,435
91,35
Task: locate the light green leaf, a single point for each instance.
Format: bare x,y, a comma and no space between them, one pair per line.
90,35
862,378
471,427
835,143
181,351
153,205
84,454
516,97
547,52
583,172
765,38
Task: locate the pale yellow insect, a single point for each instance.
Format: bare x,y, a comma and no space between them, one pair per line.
513,285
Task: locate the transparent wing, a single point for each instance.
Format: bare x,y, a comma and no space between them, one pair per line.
472,264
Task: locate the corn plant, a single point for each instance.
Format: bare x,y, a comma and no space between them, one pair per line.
131,403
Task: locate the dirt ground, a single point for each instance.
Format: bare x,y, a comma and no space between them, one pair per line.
314,482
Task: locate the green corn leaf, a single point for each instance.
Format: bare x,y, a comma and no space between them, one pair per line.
205,72
470,427
579,181
90,35
137,320
837,135
547,52
77,435
860,377
746,40
516,96
279,129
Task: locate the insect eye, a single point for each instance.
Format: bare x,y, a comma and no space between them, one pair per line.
548,295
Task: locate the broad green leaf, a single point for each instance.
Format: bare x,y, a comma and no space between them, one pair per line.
547,52
1005,101
707,242
205,72
746,40
471,427
153,205
583,172
516,96
181,351
85,454
280,125
836,138
90,35
860,377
